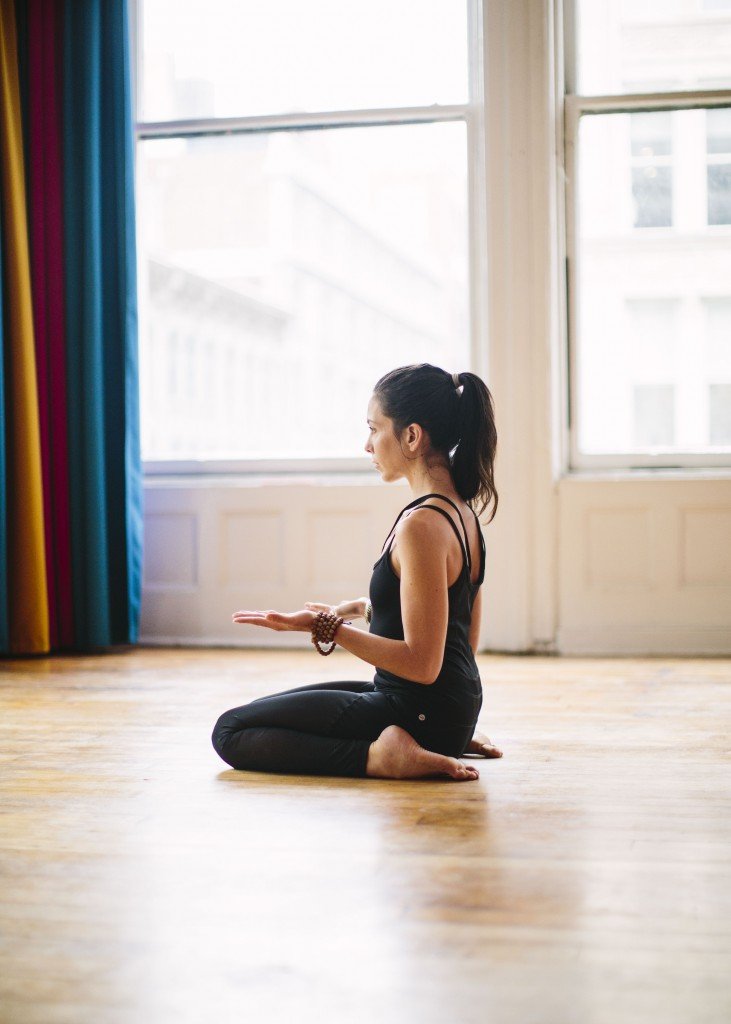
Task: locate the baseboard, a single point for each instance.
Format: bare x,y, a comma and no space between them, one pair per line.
661,641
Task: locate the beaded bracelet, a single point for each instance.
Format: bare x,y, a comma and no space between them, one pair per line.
324,628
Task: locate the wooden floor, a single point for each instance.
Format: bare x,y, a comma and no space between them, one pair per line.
584,878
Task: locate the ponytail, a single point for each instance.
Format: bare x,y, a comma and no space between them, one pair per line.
460,425
472,462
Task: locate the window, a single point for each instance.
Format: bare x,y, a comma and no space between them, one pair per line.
648,159
652,172
653,415
302,220
718,134
719,413
718,362
646,46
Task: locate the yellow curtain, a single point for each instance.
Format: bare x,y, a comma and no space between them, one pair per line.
26,584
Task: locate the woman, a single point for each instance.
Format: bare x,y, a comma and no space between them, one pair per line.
418,716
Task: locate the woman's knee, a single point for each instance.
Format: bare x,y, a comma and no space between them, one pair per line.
224,728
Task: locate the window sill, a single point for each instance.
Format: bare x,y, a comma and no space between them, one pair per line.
647,473
269,473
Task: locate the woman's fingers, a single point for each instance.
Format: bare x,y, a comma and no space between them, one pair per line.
270,619
301,620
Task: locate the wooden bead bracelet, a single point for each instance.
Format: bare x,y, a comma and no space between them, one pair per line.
324,628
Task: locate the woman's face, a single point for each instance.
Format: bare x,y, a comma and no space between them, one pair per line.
382,446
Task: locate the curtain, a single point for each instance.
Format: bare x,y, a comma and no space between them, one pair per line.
70,474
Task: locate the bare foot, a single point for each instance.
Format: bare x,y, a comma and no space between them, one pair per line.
480,744
397,755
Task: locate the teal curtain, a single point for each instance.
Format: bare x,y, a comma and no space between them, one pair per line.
101,322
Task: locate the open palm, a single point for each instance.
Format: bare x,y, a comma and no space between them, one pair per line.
300,621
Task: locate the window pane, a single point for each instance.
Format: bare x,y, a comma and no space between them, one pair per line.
719,412
651,145
651,134
718,130
653,416
652,192
718,337
226,58
654,301
719,194
652,45
718,356
718,144
282,273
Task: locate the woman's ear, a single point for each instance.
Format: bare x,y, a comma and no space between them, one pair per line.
414,436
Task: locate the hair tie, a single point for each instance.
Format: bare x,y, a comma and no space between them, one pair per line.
455,380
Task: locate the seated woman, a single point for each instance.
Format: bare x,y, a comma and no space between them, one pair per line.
418,716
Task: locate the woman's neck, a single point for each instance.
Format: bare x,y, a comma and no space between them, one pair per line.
436,480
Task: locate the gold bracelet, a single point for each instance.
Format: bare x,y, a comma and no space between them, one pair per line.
368,615
324,629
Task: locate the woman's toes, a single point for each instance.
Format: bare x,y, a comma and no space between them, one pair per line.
464,772
483,746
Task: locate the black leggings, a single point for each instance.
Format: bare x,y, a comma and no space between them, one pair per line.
322,729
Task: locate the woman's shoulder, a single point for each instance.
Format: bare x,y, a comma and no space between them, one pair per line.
422,527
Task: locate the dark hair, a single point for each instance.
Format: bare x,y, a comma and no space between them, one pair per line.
460,425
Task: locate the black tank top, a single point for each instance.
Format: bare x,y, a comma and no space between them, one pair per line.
458,683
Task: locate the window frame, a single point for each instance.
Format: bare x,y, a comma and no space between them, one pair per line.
471,113
576,106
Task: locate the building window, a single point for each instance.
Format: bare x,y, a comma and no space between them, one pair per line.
653,415
648,170
717,360
719,414
652,172
718,136
302,256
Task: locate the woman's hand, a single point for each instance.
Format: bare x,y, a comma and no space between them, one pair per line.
299,621
348,609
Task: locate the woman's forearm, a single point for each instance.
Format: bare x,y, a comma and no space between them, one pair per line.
392,655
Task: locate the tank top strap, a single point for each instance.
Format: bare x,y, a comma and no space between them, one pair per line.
466,544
